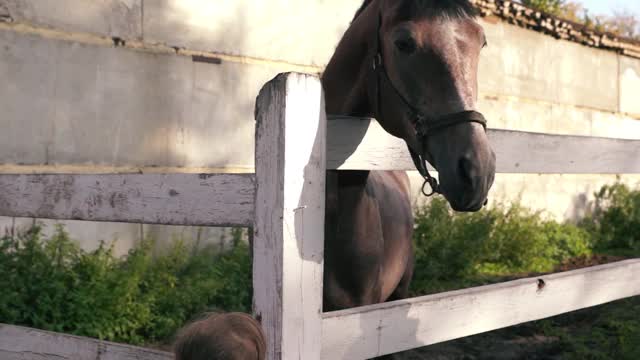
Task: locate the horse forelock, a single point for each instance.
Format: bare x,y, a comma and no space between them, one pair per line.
440,8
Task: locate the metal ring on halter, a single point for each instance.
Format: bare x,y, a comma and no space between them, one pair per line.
433,183
377,61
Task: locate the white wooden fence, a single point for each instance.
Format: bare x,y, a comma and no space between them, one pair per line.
284,203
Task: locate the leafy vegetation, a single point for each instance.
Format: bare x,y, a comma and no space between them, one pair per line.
548,6
454,250
615,220
54,285
622,22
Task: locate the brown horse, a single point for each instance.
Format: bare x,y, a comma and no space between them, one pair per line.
412,65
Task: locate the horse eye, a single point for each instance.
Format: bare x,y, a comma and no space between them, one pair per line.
407,45
485,44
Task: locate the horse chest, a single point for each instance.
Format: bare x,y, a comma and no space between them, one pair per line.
368,245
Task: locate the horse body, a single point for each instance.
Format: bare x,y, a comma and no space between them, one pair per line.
431,62
368,248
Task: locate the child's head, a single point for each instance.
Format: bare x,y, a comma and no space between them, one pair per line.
231,336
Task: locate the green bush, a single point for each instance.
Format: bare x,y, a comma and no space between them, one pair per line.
615,220
447,247
465,248
138,298
523,242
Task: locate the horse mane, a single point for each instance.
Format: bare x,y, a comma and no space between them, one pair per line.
443,8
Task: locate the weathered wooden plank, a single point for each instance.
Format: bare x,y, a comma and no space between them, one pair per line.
522,152
358,144
88,169
176,199
20,343
367,332
289,227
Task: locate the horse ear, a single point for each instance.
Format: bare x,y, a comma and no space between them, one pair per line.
364,5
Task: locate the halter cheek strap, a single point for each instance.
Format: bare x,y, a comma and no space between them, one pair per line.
424,125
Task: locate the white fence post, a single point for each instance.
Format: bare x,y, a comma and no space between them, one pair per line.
289,209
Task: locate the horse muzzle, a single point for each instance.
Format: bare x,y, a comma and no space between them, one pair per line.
466,184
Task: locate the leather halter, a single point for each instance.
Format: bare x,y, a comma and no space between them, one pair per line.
424,125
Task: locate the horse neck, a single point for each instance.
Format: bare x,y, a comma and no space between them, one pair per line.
345,77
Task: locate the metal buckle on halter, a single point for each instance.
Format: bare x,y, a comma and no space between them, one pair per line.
420,125
377,61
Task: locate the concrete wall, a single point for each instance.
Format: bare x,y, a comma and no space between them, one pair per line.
72,103
70,98
112,18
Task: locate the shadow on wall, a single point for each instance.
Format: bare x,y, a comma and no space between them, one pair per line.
584,203
582,206
298,32
211,116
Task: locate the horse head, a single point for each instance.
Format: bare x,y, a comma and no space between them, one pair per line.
417,75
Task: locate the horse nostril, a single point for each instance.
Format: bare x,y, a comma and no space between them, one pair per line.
464,170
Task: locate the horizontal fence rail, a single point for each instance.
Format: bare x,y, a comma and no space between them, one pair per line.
362,144
227,199
23,343
175,199
366,332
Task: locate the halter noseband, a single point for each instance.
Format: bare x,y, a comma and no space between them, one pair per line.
424,125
